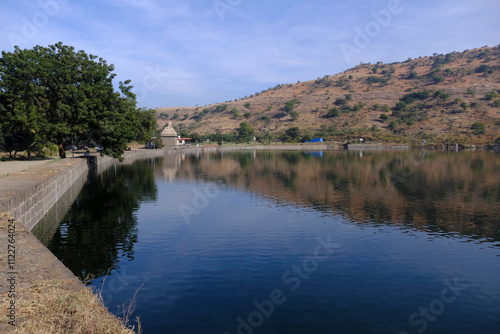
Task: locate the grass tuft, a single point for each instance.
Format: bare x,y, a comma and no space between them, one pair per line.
48,309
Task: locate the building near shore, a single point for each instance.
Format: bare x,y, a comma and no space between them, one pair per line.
169,136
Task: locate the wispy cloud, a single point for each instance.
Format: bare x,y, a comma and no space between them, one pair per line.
205,59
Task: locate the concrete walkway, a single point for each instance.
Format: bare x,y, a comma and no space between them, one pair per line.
10,167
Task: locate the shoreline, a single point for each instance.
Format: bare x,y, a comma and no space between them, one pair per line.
335,146
34,278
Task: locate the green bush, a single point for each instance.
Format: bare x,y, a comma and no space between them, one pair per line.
235,113
471,91
401,105
491,95
478,128
410,98
346,109
372,80
441,95
295,115
496,104
340,102
333,112
412,75
290,105
293,133
392,126
307,137
486,69
220,108
50,150
358,106
245,132
438,78
384,117
266,119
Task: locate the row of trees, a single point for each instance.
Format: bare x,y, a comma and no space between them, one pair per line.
246,134
62,96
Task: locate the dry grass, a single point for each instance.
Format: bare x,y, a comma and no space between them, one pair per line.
50,310
438,120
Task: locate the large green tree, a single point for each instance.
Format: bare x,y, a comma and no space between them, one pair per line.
245,133
56,94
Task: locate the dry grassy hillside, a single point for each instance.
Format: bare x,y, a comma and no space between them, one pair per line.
442,98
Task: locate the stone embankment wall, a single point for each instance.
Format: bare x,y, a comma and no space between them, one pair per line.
376,147
28,196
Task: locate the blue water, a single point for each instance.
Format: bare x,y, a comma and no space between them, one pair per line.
222,247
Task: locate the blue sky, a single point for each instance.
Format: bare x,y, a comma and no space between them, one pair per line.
196,52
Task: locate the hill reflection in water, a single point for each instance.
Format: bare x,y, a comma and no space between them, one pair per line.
443,192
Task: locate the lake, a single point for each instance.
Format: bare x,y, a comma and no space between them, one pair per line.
293,242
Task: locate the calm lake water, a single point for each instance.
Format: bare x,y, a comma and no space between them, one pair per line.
294,242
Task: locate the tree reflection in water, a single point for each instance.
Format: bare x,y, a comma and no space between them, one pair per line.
101,225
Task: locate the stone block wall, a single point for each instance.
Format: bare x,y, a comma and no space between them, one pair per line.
28,196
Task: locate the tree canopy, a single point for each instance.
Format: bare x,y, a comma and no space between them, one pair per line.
59,95
245,132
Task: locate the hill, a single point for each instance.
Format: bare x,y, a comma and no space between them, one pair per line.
441,98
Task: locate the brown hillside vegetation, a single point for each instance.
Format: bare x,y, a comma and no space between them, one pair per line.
442,98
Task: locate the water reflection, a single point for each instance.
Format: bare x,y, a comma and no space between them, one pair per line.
445,193
440,192
101,225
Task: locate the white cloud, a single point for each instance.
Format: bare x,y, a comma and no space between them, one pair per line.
258,42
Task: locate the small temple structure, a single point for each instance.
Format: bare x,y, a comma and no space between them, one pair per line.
169,136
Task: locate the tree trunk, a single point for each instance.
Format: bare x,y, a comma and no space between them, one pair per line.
62,153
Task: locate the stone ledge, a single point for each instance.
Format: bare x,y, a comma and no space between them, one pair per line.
26,197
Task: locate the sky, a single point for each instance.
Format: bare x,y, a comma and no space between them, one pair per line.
182,53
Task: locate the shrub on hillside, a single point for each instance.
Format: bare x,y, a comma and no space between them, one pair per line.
393,125
478,128
290,105
412,75
493,94
373,80
333,112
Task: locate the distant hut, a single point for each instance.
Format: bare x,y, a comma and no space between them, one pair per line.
169,136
